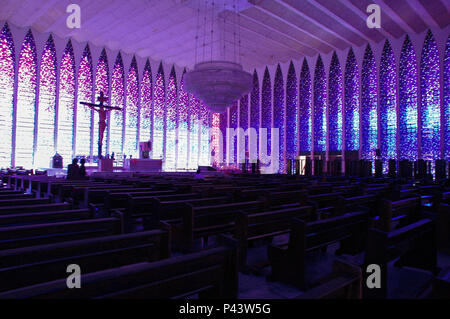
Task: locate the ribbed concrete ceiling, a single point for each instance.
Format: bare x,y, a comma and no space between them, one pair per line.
270,31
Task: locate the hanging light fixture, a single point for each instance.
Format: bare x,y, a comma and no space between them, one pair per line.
218,83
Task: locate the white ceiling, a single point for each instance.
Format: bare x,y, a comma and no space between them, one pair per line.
271,31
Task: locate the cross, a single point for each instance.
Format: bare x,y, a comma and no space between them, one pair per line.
102,112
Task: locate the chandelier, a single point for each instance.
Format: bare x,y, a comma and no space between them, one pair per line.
218,83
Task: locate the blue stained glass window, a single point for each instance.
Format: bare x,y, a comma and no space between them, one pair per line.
146,104
446,110
255,112
335,104
369,104
171,121
388,104
430,96
132,111
408,102
183,121
351,103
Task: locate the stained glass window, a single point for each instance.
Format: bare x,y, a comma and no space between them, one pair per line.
216,140
6,95
320,107
223,124
335,104
291,113
171,121
369,104
84,128
351,103
146,104
266,119
408,102
45,141
116,116
305,116
194,110
232,139
446,110
66,104
159,115
183,121
279,117
430,96
243,125
205,153
254,115
131,111
26,101
388,104
101,85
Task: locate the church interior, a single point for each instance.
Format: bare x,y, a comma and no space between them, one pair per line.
225,149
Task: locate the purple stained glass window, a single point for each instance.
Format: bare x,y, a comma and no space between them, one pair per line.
84,127
255,105
132,110
26,101
6,94
305,112
171,121
279,117
101,85
146,104
291,113
116,116
159,114
266,115
320,107
243,125
66,104
233,139
183,121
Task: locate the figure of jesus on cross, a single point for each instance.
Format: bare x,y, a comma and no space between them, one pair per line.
102,112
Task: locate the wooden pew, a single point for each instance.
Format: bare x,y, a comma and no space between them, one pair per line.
39,234
44,217
414,244
443,228
326,204
8,210
210,274
281,199
24,202
114,200
38,264
205,221
256,226
370,202
288,260
344,282
15,196
155,208
399,212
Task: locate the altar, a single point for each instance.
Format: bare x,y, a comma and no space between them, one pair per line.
142,165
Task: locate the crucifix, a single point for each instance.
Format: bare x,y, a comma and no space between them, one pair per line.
102,112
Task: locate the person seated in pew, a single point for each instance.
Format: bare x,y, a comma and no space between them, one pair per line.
73,170
82,169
